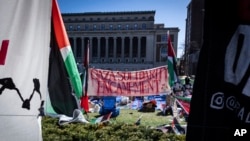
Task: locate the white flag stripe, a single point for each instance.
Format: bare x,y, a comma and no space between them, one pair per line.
65,51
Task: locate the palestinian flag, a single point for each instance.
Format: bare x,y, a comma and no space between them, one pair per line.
184,103
102,119
171,62
64,78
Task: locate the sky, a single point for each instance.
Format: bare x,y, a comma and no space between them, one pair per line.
172,13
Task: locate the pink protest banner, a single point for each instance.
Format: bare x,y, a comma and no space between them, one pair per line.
128,83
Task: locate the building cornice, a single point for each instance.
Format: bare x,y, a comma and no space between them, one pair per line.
109,13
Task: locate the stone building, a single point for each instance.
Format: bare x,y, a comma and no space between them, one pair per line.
124,41
194,35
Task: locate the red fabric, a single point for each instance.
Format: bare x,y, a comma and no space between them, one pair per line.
153,102
3,51
171,51
185,105
85,103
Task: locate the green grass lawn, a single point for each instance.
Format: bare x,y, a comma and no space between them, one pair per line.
129,116
120,128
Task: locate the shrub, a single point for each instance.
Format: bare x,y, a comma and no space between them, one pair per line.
102,132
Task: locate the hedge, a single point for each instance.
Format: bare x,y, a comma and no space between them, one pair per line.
51,131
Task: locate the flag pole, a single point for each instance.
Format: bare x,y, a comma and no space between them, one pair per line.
84,99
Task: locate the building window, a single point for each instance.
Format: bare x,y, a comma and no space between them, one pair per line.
94,27
135,26
163,53
78,27
151,18
161,38
119,27
158,38
164,38
172,37
70,27
103,27
110,27
86,27
127,27
143,26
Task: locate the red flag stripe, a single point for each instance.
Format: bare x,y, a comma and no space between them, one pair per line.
59,28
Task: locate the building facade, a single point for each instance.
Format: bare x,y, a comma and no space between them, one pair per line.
124,41
194,35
